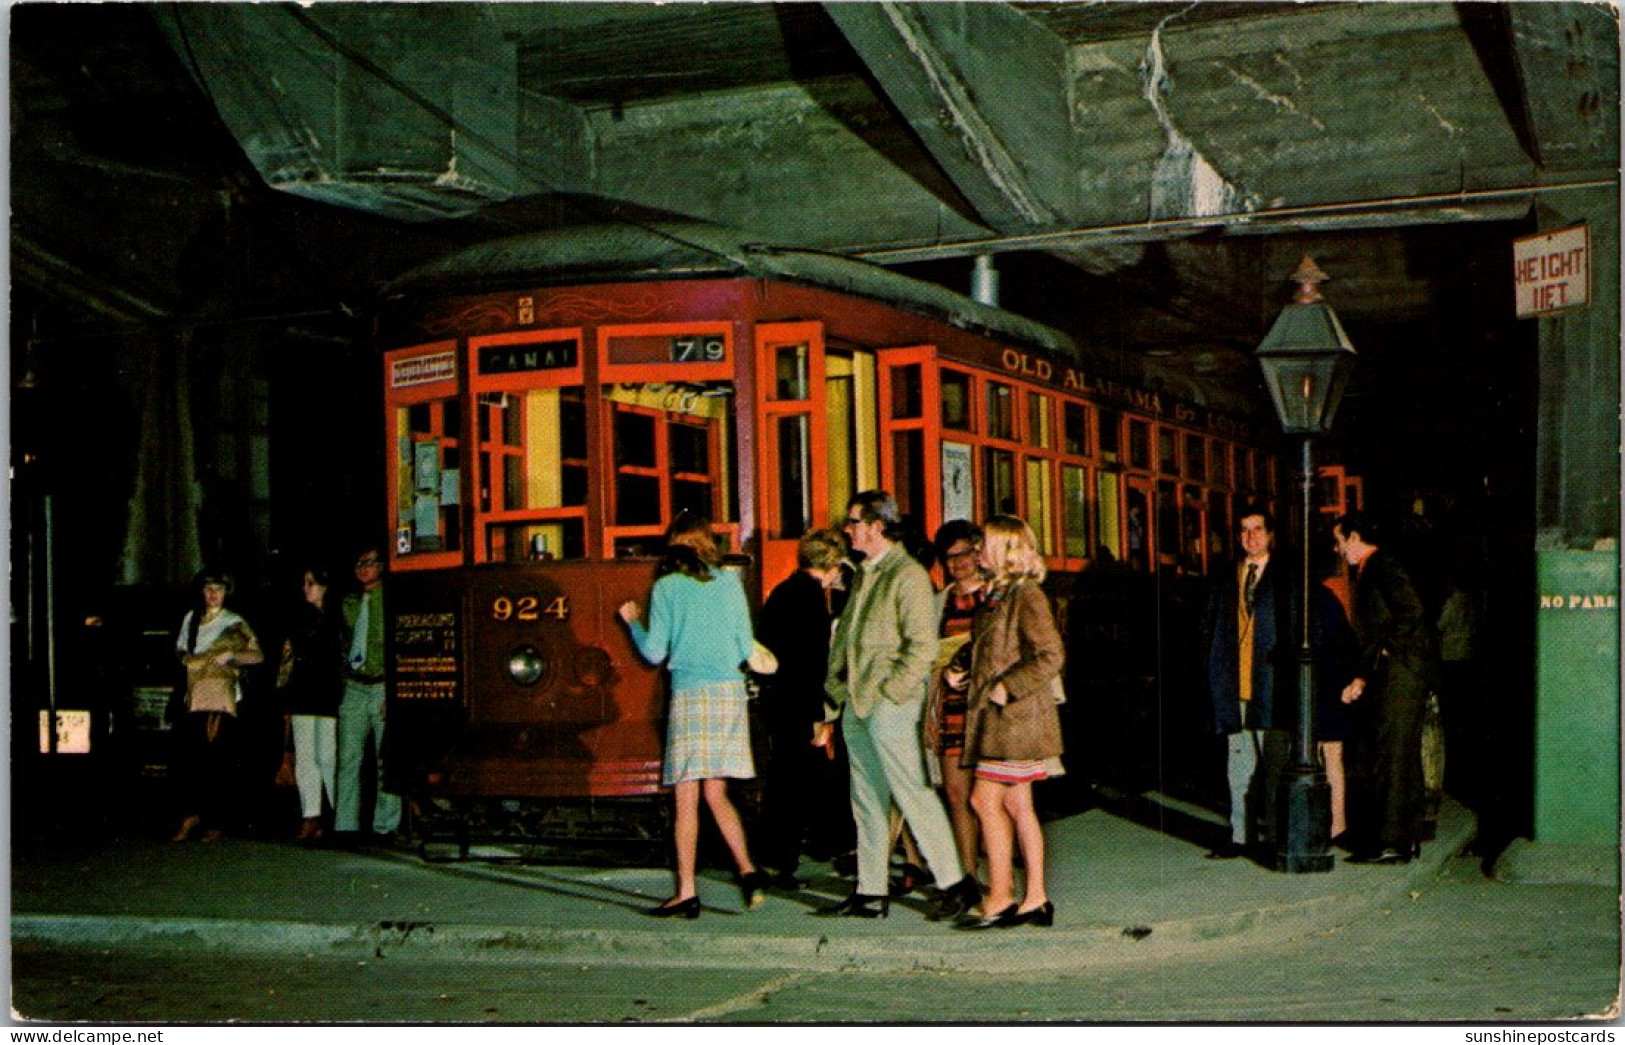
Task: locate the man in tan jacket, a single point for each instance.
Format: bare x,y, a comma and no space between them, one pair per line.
880,660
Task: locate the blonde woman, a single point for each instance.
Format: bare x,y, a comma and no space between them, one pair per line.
1012,728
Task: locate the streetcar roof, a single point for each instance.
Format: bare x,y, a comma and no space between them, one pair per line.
693,250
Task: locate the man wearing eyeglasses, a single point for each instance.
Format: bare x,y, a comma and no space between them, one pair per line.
361,713
880,659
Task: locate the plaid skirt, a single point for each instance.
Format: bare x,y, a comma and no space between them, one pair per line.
708,734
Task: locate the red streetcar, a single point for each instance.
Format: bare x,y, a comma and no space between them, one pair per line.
552,401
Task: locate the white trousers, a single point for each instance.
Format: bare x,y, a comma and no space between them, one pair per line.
315,758
361,717
888,765
1241,763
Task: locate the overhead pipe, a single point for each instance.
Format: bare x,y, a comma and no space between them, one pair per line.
1172,227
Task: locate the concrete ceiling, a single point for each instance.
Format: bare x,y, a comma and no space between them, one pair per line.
1147,172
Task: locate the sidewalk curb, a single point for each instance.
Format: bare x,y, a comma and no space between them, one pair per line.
873,947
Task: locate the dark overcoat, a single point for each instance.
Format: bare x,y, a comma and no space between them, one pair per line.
1273,688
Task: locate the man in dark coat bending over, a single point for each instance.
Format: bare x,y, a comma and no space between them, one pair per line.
1389,695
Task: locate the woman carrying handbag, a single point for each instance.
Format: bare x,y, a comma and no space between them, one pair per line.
214,646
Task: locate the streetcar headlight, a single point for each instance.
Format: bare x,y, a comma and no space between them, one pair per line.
526,665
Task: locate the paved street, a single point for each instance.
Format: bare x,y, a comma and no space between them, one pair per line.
1459,948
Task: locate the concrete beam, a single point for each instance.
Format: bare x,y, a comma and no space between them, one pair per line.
985,89
1568,59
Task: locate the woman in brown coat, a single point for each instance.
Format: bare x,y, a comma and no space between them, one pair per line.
1012,730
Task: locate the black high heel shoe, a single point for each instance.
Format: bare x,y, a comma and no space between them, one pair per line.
689,908
992,921
1043,917
858,905
751,888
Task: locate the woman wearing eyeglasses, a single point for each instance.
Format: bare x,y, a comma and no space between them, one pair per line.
1012,728
699,627
959,543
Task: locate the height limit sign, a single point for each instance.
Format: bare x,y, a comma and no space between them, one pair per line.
1551,272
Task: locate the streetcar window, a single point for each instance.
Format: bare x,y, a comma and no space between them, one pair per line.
1039,424
634,440
1139,524
908,457
998,482
790,372
1038,504
794,474
637,500
690,449
1219,541
956,409
690,496
536,542
907,392
532,459
1107,491
1195,457
1167,451
1139,444
839,423
1075,428
428,479
669,454
1167,519
1075,542
451,417
1001,411
1111,435
1190,529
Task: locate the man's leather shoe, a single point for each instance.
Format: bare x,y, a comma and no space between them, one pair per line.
1224,851
1386,856
954,900
858,906
783,881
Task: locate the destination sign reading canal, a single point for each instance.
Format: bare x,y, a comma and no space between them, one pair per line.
523,359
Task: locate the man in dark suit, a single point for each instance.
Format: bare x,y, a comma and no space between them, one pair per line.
1246,619
1389,692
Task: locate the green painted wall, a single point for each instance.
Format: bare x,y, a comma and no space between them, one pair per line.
1577,720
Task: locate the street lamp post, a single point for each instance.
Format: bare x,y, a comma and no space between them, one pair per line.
1306,358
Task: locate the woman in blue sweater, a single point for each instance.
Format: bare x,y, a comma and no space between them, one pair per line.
699,626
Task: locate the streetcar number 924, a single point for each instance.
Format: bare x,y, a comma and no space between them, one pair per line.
529,607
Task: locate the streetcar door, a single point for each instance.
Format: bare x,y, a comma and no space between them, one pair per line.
910,432
792,447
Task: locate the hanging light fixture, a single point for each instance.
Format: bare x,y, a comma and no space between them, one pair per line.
1307,358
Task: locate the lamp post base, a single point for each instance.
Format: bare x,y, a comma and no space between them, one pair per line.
1305,814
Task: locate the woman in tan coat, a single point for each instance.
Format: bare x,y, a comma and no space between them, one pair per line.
1012,730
